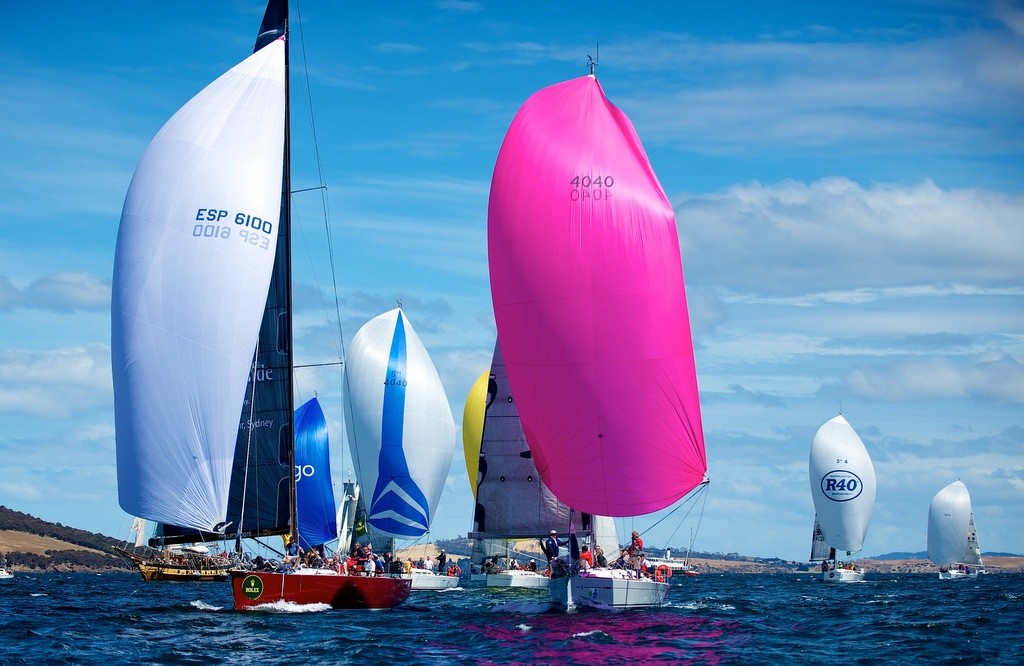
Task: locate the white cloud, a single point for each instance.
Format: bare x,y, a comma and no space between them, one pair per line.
59,292
835,236
58,383
1012,16
394,47
997,377
459,5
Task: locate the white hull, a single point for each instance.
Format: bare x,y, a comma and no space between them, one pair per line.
954,574
607,589
842,576
6,575
679,567
517,578
431,580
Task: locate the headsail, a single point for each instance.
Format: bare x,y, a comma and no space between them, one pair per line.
400,426
315,508
843,485
952,537
587,285
473,427
192,269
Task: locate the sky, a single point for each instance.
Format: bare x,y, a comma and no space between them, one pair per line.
848,182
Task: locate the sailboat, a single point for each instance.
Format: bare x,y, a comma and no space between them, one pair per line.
401,435
173,562
6,573
843,491
201,340
952,536
512,502
587,286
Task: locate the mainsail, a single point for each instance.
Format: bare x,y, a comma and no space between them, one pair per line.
195,252
587,286
820,550
843,485
313,488
512,500
400,426
952,536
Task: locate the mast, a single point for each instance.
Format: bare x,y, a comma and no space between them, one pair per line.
275,26
190,440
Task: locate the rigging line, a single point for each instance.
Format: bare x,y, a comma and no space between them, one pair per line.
700,518
324,196
690,499
322,187
317,365
309,189
697,492
248,443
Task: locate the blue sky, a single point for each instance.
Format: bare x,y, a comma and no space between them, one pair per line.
848,181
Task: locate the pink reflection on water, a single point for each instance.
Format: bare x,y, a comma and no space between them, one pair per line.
593,638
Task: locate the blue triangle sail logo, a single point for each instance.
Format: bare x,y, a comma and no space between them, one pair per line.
398,505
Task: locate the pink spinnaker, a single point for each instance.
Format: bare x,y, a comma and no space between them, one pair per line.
587,285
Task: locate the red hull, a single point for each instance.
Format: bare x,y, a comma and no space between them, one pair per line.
254,588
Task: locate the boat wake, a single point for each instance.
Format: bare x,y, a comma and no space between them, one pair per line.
290,607
203,606
588,634
704,604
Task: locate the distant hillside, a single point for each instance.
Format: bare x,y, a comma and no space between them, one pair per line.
33,544
901,555
923,555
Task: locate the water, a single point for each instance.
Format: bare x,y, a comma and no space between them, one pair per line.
712,619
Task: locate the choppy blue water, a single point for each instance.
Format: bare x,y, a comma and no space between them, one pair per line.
712,619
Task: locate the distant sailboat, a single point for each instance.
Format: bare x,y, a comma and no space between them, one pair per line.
401,434
6,573
173,562
587,286
952,536
843,491
201,330
512,502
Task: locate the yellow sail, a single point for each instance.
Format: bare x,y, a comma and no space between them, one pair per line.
473,426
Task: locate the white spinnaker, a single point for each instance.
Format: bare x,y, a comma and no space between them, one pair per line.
951,534
842,485
191,274
391,483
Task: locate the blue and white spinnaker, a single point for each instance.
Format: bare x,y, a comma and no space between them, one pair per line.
400,426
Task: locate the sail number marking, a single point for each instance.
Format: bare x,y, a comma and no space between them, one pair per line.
591,187
394,379
841,485
252,230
